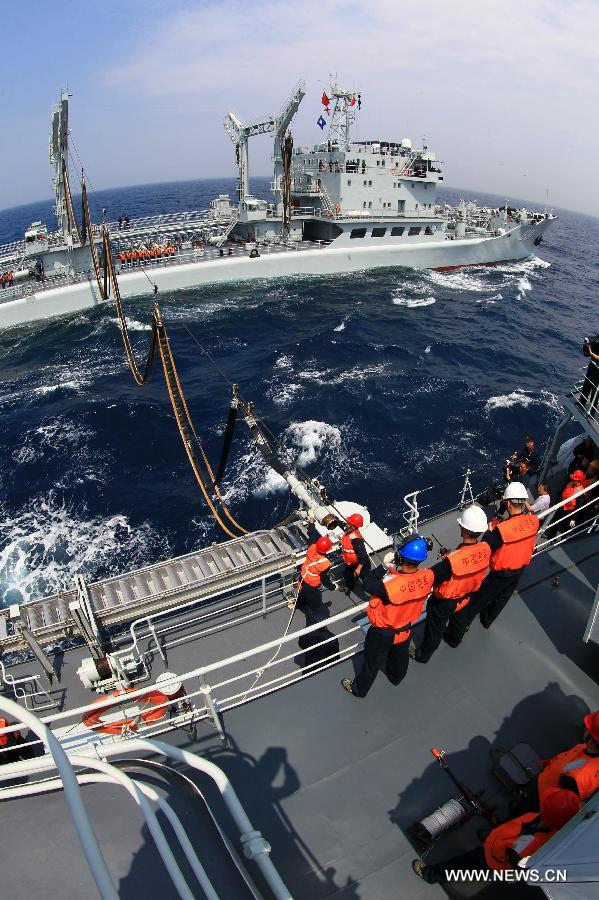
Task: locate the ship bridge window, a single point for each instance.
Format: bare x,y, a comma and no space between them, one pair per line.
349,182
357,233
414,230
397,231
364,182
430,229
379,232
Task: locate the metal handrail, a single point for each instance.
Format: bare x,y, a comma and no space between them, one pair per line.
253,844
84,829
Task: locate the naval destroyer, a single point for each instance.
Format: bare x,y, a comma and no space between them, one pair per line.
339,206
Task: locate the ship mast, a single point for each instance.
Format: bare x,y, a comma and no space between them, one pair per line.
59,157
343,117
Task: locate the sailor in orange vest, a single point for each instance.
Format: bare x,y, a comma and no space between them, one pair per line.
9,279
122,260
134,257
576,769
458,575
511,842
353,552
11,749
396,602
314,573
512,542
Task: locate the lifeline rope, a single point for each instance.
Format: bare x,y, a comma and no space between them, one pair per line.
140,378
71,217
88,230
177,397
182,415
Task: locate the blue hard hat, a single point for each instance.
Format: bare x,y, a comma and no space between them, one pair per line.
414,548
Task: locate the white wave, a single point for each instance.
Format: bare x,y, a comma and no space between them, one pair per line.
302,443
311,437
490,300
283,362
340,327
521,398
461,280
427,349
525,266
522,286
283,394
44,547
331,377
132,324
62,386
414,302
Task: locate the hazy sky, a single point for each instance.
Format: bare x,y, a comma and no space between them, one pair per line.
506,91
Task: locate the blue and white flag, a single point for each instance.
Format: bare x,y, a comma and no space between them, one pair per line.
321,122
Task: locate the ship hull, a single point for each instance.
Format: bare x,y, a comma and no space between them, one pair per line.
444,255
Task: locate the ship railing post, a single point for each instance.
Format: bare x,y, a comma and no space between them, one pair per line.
466,487
263,587
211,707
412,514
152,630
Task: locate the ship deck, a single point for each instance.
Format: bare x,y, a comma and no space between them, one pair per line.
334,782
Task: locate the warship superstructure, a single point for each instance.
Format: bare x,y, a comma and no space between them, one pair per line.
339,206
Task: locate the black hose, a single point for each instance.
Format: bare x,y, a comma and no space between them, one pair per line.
228,437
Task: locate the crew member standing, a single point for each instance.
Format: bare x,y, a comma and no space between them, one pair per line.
314,573
353,552
512,542
457,576
396,602
576,769
510,842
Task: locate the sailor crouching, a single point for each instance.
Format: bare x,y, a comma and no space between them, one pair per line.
459,574
353,552
508,843
314,574
397,600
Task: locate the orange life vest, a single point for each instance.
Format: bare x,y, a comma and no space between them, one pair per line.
128,255
122,257
509,837
577,765
518,534
152,253
348,553
134,255
571,490
158,251
5,739
468,566
314,565
407,593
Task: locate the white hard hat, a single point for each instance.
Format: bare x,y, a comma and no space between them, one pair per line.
473,518
515,491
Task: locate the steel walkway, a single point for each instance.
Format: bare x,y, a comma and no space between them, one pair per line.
159,586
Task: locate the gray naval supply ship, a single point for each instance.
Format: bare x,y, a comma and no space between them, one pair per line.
339,206
179,731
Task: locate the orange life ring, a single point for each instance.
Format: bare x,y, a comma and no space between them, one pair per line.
156,707
405,172
337,208
392,171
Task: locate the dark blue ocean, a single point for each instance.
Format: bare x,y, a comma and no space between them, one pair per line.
379,383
